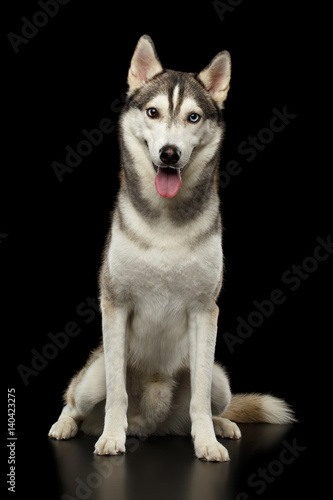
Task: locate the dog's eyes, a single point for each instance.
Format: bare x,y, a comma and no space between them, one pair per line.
152,113
194,117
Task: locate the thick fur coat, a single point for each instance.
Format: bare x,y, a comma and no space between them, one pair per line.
162,273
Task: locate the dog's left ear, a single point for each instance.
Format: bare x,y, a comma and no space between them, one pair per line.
144,65
216,77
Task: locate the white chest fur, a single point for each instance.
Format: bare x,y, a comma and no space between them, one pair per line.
161,285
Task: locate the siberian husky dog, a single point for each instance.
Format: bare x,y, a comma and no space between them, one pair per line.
154,373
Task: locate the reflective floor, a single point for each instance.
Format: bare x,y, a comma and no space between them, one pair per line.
266,463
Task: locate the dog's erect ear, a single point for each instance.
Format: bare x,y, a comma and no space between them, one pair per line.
216,77
144,65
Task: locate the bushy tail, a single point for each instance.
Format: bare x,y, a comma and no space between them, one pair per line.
255,408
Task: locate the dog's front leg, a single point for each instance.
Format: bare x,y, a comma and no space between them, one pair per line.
202,336
114,321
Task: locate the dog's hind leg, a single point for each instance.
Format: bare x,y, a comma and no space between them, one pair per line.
157,397
221,397
221,393
86,389
67,424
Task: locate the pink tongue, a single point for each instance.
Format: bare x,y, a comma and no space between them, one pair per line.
168,182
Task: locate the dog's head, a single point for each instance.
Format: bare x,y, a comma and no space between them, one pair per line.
173,120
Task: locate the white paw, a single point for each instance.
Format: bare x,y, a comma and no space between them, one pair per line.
65,428
211,451
226,429
108,445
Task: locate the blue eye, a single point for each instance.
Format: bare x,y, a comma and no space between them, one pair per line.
194,118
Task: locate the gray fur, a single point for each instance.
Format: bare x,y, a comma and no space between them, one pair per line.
161,275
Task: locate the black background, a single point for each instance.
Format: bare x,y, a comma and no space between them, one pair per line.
69,77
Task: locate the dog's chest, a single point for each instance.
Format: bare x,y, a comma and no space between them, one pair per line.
162,287
165,278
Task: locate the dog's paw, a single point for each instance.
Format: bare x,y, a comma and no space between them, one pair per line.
109,445
64,428
211,451
226,429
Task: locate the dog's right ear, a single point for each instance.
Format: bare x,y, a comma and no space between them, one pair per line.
144,65
216,77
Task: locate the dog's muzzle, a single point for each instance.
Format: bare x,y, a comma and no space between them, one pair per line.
168,175
170,154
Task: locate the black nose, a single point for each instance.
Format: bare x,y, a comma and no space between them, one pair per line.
170,154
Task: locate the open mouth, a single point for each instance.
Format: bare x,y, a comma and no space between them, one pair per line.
168,180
